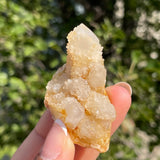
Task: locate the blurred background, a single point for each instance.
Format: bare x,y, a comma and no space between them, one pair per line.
32,47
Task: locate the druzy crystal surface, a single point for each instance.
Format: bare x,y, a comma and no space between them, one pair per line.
76,93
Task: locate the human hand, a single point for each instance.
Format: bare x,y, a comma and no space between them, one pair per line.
52,141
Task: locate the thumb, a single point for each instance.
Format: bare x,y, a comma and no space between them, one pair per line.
58,145
120,97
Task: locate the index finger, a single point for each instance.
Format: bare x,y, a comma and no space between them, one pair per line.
33,143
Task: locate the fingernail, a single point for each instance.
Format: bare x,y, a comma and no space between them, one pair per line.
55,140
61,124
126,86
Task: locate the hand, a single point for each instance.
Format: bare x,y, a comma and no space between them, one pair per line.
50,139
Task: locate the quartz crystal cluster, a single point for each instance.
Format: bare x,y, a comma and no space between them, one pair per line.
76,94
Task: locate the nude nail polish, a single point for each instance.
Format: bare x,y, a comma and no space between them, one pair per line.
126,86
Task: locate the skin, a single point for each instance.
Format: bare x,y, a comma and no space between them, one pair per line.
49,139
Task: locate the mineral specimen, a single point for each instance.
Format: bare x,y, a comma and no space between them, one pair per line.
76,94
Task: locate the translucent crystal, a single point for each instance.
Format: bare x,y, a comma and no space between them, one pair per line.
99,106
55,100
97,76
83,48
76,94
57,81
78,88
76,72
56,84
91,129
81,41
74,112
